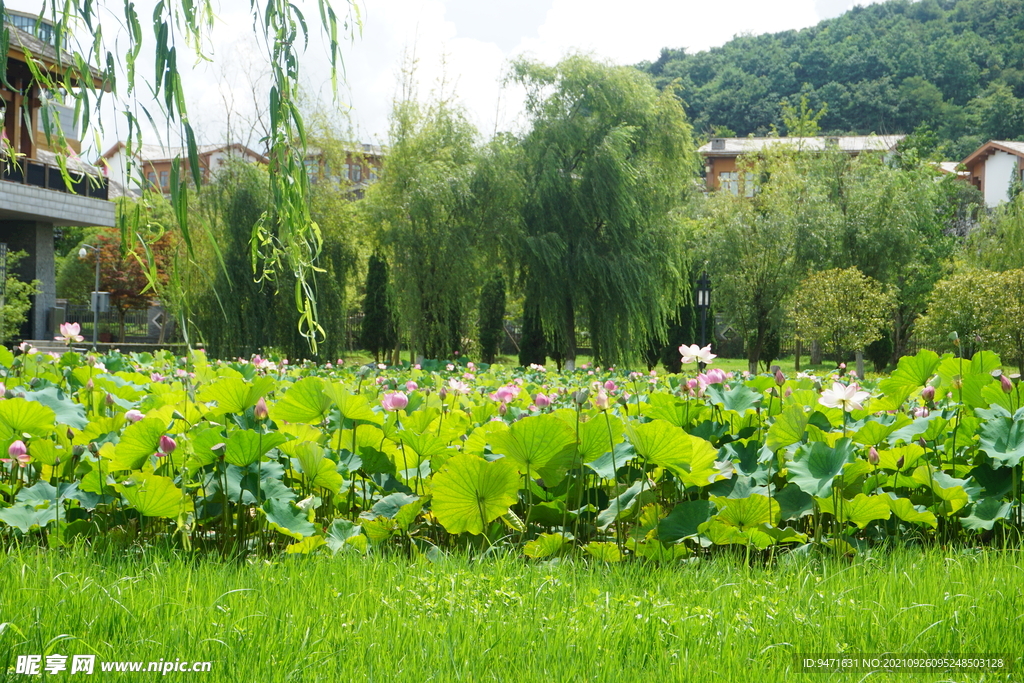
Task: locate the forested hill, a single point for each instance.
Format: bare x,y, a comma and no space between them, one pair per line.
955,65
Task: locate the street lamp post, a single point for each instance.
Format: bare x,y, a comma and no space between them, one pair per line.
82,253
703,304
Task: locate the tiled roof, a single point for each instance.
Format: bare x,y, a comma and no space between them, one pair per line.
847,143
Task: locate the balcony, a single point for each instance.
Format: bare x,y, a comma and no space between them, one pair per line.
34,189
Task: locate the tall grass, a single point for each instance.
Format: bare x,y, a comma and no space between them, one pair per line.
350,618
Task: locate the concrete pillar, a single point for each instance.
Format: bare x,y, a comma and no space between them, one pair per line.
44,272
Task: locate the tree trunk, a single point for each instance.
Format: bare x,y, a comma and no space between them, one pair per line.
798,349
569,343
815,353
860,364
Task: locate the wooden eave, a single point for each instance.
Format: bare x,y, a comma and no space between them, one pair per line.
987,150
17,50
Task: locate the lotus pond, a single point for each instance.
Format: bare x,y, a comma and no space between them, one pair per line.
261,457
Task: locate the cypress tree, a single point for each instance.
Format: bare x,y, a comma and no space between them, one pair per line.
492,318
532,345
379,331
682,330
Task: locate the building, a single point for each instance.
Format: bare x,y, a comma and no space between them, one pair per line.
152,167
34,195
356,167
992,166
721,154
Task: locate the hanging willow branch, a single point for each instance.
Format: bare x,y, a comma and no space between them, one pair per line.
84,74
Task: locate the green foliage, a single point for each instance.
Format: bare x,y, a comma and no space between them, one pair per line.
17,298
885,67
842,309
605,162
532,342
965,304
492,318
379,332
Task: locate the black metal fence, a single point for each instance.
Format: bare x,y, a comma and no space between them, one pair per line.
138,324
48,176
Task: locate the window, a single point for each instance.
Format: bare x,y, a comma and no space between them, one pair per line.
357,173
164,181
730,182
312,170
373,173
151,177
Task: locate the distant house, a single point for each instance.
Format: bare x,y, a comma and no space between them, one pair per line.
991,167
154,162
34,195
720,154
357,170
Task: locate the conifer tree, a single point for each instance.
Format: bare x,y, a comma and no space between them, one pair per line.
379,331
492,318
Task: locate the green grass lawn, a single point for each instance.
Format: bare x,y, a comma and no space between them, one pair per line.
350,618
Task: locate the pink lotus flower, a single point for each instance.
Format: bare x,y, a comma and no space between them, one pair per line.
506,394
610,386
542,400
1005,383
19,450
458,386
134,415
696,354
69,332
167,446
411,386
713,376
928,393
601,400
260,411
780,379
921,412
846,397
873,456
395,401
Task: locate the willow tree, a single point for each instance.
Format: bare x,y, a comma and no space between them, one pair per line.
424,205
606,162
100,65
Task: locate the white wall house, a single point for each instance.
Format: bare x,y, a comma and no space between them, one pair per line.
152,167
991,168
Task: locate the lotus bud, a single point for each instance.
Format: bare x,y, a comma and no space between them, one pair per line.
260,411
167,445
70,434
17,449
502,409
842,366
780,379
610,386
442,394
1005,382
873,456
602,401
411,386
542,400
899,463
928,393
922,443
109,400
89,385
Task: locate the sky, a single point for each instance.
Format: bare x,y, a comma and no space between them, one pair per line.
459,48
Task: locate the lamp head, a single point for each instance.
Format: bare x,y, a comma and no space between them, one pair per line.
82,253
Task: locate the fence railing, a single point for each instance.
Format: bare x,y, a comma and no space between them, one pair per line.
48,176
137,324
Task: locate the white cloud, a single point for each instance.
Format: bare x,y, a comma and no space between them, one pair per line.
467,43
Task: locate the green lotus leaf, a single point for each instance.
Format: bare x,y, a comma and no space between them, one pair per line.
608,464
794,503
469,492
545,545
746,513
908,512
19,416
625,503
684,520
912,372
873,433
306,545
739,398
862,510
605,552
139,441
234,394
985,513
669,408
1003,440
689,457
543,446
304,402
817,464
351,406
24,517
789,428
245,446
343,534
598,436
154,496
66,411
288,518
315,468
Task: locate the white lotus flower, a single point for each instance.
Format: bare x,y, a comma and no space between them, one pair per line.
846,397
694,354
